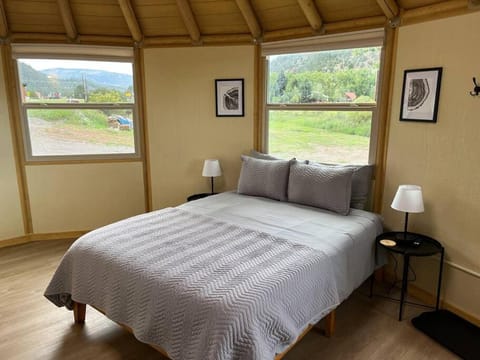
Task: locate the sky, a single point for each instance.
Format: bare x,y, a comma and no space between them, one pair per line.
118,67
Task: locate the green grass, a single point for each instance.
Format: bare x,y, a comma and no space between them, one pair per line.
95,119
306,134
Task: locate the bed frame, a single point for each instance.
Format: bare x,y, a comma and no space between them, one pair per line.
79,311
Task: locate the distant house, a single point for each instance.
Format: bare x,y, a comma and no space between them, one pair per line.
350,96
119,122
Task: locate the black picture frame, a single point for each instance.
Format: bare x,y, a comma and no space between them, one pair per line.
229,98
420,94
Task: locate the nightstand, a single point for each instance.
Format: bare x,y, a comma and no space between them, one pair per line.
199,196
415,245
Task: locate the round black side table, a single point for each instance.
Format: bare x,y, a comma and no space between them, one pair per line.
412,244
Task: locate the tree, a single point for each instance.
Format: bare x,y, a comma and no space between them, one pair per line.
281,84
79,92
104,95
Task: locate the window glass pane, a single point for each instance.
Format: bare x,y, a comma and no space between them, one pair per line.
324,136
80,131
75,81
347,75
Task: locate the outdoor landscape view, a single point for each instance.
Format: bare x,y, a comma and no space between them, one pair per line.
327,77
78,107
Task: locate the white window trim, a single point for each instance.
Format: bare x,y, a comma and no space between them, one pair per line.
75,52
366,38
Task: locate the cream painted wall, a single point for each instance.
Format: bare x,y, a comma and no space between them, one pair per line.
11,221
182,127
81,197
442,157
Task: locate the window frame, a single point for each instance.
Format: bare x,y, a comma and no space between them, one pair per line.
75,52
361,39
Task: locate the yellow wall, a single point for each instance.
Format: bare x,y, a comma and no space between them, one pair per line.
83,196
67,197
182,127
11,222
442,157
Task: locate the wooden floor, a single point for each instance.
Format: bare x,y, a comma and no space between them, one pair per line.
33,328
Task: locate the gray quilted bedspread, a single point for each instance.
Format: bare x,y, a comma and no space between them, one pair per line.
198,287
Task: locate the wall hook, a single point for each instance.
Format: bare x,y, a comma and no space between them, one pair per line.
476,88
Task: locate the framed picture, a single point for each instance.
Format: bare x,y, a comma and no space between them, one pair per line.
421,90
229,97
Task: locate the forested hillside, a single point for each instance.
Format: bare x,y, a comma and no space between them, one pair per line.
328,76
82,84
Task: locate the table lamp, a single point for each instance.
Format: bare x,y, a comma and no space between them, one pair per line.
211,169
409,200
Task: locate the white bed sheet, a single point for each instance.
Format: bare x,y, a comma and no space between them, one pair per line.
349,241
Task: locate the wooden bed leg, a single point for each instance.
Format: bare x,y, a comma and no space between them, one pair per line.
330,324
79,310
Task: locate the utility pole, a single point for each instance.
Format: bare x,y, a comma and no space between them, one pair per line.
85,87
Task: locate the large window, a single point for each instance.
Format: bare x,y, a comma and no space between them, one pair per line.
321,105
77,108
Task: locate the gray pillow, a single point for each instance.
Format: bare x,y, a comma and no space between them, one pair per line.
268,178
325,187
258,155
361,183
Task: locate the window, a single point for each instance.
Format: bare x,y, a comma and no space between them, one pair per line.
77,107
321,105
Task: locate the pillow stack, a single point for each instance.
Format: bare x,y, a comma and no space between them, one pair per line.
328,186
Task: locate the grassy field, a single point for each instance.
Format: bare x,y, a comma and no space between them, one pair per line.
331,136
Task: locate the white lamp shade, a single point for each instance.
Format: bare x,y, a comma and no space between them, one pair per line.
211,168
408,199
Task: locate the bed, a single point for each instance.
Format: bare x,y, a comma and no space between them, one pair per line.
224,277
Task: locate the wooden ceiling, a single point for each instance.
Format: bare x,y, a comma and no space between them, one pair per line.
186,22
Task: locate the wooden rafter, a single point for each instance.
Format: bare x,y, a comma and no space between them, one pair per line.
250,18
67,19
389,8
3,21
131,19
189,20
434,11
311,13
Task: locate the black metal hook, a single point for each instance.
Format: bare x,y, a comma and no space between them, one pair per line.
476,88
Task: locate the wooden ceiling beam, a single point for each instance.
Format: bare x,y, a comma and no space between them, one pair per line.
131,20
435,11
330,28
60,39
389,7
189,20
312,15
250,18
67,19
3,21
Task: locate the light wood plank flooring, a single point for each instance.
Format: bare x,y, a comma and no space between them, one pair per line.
33,328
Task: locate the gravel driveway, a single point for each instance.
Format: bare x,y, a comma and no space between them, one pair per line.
45,141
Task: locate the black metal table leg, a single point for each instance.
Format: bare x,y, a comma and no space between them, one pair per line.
439,285
372,280
406,262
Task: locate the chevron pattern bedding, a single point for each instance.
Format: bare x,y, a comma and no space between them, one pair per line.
198,287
